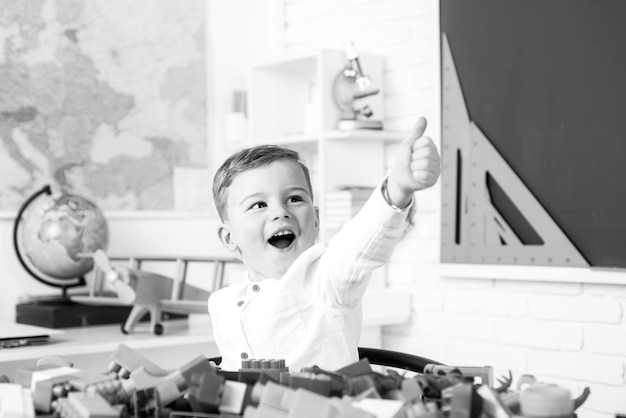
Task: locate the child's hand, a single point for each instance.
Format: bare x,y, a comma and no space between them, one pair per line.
417,166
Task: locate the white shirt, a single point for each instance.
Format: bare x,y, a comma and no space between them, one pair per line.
312,315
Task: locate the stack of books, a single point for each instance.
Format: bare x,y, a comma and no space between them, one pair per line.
341,205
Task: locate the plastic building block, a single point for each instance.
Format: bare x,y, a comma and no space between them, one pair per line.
15,401
146,403
85,405
279,401
149,376
235,398
343,408
48,385
141,379
304,404
457,401
339,383
106,385
272,367
511,400
57,361
48,382
270,397
266,389
169,388
264,364
200,364
411,390
381,408
485,373
205,392
358,368
91,381
525,381
546,400
422,410
318,383
492,404
176,383
125,360
24,375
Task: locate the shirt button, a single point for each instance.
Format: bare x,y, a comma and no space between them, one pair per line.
256,288
240,303
244,355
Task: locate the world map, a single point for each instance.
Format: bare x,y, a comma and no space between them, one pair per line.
104,98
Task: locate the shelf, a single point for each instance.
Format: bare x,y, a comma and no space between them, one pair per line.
303,63
301,139
335,135
366,135
291,104
293,96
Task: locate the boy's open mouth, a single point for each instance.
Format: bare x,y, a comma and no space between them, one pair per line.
282,239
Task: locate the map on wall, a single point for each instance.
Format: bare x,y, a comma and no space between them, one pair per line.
105,98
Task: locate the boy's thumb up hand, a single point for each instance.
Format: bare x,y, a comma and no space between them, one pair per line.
418,164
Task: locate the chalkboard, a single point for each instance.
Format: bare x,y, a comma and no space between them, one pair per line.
545,81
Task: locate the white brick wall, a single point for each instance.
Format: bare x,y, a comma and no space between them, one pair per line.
571,334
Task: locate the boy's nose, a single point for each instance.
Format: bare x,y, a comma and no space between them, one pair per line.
281,213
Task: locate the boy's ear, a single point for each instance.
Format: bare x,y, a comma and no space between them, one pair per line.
317,216
223,232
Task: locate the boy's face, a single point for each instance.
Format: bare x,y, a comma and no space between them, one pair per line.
270,218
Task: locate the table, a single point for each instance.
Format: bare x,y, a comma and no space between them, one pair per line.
90,348
183,339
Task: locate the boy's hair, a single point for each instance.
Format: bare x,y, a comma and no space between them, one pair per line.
247,159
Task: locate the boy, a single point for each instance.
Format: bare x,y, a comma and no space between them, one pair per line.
301,301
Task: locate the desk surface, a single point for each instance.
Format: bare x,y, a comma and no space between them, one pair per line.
91,347
182,340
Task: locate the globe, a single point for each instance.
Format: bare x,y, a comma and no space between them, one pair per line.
56,229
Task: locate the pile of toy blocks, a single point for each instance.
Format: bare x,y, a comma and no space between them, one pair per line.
133,386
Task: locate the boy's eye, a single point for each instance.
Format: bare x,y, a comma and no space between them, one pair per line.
258,205
293,199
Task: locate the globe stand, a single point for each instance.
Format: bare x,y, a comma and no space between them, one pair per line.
58,311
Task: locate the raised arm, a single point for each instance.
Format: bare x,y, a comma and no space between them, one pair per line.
417,166
369,239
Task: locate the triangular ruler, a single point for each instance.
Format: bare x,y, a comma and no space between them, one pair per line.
489,216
